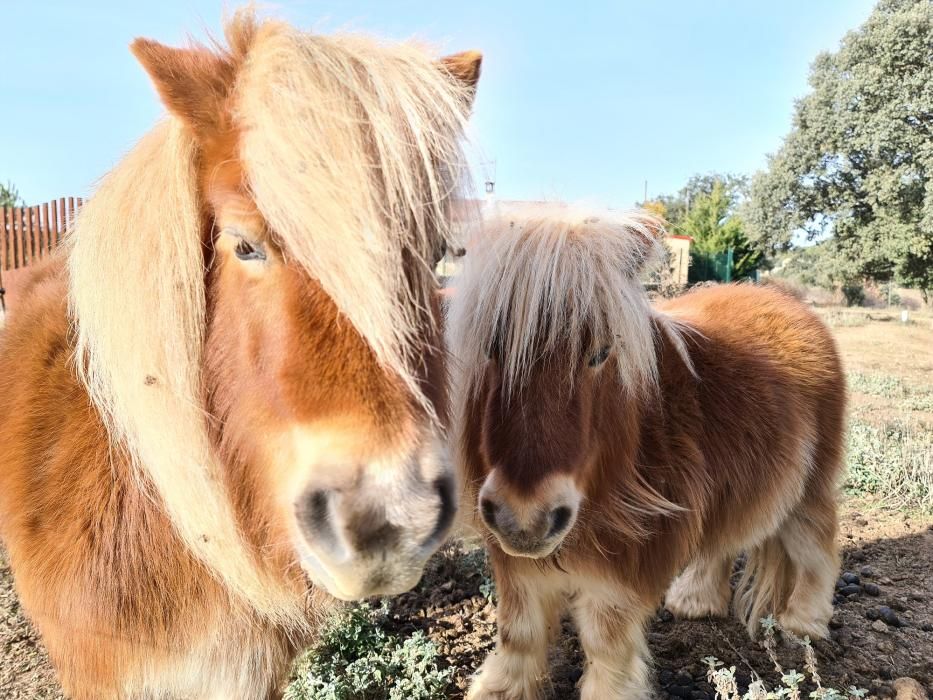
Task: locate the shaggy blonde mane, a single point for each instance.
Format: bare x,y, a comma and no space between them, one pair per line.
542,274
307,102
352,153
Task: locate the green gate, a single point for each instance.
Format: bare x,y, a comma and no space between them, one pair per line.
705,267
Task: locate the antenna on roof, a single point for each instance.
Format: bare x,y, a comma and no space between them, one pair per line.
489,167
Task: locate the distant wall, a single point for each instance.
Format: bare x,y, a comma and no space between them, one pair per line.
680,257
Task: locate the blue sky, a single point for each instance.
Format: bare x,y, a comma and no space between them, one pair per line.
578,100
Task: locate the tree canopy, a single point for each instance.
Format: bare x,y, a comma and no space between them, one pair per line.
856,170
9,195
706,209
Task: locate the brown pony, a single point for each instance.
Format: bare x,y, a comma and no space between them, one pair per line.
608,445
226,396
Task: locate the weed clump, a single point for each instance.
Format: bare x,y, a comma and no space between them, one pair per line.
724,681
356,659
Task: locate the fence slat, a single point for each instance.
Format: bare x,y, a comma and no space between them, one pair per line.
20,260
36,233
53,224
71,213
4,237
44,218
30,237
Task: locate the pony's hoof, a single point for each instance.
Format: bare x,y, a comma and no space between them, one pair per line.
694,603
802,626
488,685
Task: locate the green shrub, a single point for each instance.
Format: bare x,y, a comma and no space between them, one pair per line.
854,293
356,659
894,461
910,397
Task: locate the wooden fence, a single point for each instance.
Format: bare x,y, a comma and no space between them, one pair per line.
28,234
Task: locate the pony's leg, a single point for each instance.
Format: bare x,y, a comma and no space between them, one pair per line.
791,574
528,617
611,624
809,539
702,588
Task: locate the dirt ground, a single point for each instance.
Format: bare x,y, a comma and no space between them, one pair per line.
880,632
884,548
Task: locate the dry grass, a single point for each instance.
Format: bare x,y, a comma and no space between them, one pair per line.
890,372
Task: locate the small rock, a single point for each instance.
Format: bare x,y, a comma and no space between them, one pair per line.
879,626
889,616
861,522
850,590
871,589
857,555
840,583
883,691
867,571
684,679
898,604
885,581
849,577
665,615
909,689
835,623
838,599
885,646
926,627
873,614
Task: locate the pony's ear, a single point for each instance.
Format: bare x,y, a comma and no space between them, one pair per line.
193,83
465,68
651,233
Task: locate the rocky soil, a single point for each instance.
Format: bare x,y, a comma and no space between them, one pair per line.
882,629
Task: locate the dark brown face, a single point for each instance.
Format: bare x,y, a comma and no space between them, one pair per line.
537,445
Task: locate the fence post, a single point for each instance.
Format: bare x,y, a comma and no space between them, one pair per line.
20,253
44,211
3,237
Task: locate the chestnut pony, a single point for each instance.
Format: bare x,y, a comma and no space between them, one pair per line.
227,395
608,445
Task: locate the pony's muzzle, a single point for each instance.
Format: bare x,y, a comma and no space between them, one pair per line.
528,527
374,537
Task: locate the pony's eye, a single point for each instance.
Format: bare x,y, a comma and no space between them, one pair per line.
600,357
248,251
439,252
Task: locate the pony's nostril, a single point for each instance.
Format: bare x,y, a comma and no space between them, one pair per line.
560,518
313,513
448,508
488,509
